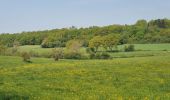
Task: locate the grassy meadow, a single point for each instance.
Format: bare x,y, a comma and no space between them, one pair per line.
140,75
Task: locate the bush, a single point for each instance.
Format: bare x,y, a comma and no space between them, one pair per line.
2,50
129,48
73,55
14,50
92,55
73,50
47,45
57,54
90,50
103,55
26,57
54,44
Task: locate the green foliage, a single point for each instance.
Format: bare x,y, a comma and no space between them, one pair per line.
102,55
110,41
107,41
160,23
73,50
26,57
154,31
57,53
90,50
141,23
105,55
95,43
48,44
129,48
99,55
72,55
15,47
16,44
2,49
74,45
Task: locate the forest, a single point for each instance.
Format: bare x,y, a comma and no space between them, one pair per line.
153,31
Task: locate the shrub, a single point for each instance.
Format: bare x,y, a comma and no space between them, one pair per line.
2,49
26,57
97,55
47,44
103,55
73,45
90,50
73,55
57,54
15,47
14,50
73,50
129,48
92,55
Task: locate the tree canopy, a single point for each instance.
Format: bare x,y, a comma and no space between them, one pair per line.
154,31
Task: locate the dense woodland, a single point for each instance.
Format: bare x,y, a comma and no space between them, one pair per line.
154,31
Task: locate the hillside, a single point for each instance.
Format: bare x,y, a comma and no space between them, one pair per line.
154,31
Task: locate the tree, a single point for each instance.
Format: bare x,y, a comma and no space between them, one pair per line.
135,33
26,57
141,23
110,41
58,54
15,47
74,45
95,43
129,48
73,49
2,49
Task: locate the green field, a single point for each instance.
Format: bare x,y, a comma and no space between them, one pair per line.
135,78
138,75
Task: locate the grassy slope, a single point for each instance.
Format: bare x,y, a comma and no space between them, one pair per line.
135,78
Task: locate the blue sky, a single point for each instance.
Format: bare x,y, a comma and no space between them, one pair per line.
33,15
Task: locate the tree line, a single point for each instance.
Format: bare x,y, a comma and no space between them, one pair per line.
154,31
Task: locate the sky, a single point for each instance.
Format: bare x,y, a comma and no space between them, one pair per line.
35,15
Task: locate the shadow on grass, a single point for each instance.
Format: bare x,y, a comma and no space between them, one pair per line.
12,96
